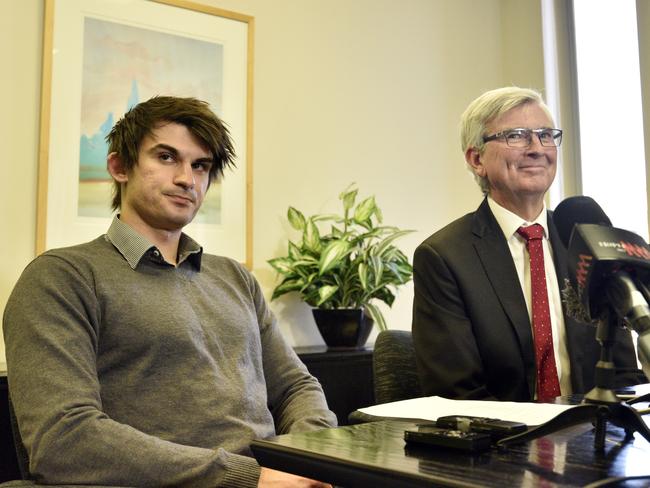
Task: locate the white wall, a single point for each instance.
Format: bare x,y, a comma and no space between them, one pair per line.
345,90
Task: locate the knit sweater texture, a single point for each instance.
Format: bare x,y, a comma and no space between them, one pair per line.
124,370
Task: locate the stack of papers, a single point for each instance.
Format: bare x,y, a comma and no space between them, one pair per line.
430,408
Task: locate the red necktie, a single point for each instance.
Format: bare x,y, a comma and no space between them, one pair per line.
548,386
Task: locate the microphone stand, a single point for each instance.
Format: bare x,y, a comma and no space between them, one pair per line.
601,404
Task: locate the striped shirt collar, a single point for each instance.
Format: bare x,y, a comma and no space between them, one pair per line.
133,246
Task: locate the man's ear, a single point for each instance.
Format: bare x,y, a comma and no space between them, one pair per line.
474,158
116,168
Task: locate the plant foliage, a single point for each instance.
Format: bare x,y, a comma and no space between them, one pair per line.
347,267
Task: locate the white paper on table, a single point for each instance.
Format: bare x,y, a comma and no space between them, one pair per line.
430,408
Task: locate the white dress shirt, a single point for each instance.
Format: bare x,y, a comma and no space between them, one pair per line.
509,223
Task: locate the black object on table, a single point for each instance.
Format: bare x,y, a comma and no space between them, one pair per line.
375,454
345,375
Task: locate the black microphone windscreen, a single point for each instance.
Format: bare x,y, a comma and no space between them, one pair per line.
577,210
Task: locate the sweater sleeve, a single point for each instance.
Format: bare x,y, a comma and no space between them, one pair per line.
295,397
51,330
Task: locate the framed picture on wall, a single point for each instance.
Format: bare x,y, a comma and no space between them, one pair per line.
100,58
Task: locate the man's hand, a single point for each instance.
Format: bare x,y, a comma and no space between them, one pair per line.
270,478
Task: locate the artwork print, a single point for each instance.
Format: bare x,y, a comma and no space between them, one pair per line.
102,57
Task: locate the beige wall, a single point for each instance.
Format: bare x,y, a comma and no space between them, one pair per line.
345,90
20,55
643,24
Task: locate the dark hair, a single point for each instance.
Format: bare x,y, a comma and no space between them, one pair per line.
141,120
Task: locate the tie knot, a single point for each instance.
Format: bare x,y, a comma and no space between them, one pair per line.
532,232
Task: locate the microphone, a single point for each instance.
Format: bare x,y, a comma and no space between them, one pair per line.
577,210
597,255
608,267
632,306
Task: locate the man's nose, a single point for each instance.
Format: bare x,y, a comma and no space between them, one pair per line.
535,144
185,175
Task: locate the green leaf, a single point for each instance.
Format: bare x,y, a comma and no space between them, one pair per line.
385,243
311,237
395,270
332,255
386,296
379,215
364,210
282,265
363,275
312,297
294,251
348,198
403,271
296,218
306,262
378,267
286,287
325,293
317,218
308,280
366,224
377,316
338,280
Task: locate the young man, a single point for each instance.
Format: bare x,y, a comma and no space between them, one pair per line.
478,328
137,360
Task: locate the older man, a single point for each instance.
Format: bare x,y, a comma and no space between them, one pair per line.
488,320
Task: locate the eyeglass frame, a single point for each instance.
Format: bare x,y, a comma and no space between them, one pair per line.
555,133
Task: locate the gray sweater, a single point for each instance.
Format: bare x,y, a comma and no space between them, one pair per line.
125,370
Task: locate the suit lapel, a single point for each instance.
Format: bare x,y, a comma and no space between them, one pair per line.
493,251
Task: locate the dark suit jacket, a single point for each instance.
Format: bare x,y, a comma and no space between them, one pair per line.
471,329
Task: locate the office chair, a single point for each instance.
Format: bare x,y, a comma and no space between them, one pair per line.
21,452
394,370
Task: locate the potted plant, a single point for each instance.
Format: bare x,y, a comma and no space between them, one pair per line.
340,271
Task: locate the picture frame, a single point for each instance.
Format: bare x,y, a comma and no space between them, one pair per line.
100,57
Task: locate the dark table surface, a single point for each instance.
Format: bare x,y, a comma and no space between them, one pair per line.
375,454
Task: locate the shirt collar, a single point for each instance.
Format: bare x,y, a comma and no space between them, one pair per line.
510,222
133,246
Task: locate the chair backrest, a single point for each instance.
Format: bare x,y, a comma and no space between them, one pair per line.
394,370
21,452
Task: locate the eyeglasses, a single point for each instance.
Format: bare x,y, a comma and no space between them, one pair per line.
524,137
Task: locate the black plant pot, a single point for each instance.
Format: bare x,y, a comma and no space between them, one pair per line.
343,328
